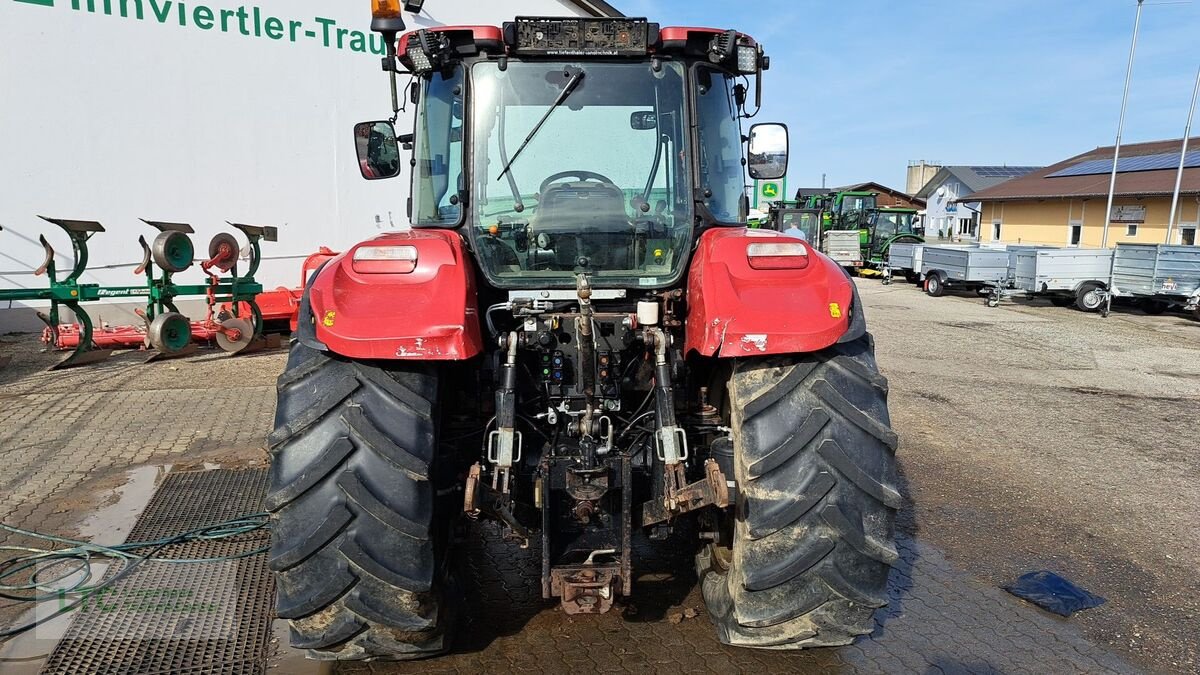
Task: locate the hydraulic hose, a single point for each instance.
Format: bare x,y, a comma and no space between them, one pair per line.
76,557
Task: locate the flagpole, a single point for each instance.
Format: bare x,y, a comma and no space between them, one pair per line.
1112,183
1187,131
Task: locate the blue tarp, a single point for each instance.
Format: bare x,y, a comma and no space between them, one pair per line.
1053,593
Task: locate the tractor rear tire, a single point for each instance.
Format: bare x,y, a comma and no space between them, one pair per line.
358,544
813,529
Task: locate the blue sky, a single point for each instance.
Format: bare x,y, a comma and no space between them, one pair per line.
867,85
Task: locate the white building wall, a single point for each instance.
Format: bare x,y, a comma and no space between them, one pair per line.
174,116
942,213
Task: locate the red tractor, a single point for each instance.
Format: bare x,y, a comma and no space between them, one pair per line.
579,339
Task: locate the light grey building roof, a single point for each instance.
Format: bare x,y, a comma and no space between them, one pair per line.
975,178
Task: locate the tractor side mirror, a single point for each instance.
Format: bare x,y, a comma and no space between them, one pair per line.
378,153
641,120
768,151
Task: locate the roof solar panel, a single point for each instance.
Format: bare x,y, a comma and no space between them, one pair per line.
1002,171
1166,160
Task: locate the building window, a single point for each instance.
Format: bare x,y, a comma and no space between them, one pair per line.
966,227
1131,230
1076,234
1187,236
996,231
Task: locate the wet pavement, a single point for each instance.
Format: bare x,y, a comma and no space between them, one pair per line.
1024,445
937,620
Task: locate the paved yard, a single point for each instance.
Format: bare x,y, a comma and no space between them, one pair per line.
1032,437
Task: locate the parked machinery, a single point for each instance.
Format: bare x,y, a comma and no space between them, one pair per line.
804,223
885,227
551,350
969,267
874,229
1159,276
904,257
167,331
1066,276
845,215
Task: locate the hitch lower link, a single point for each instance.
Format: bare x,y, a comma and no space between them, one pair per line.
503,451
671,448
504,444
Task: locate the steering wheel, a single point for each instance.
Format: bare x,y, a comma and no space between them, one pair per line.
582,175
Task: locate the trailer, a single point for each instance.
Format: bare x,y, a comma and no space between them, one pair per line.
904,257
842,246
1065,275
970,267
1159,275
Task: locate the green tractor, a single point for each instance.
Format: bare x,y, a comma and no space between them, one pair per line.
845,218
845,210
877,228
886,226
793,219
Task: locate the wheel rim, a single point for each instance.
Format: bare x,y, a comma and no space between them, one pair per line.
170,332
1092,298
224,251
173,251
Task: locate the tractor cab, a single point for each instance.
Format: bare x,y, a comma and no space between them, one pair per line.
889,225
802,223
851,210
561,147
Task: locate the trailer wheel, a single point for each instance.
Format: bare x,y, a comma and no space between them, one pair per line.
935,285
992,300
812,540
1090,296
358,544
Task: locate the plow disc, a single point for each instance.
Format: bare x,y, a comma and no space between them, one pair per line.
223,252
234,335
170,333
173,251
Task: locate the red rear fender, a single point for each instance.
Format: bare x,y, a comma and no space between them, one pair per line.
378,312
737,310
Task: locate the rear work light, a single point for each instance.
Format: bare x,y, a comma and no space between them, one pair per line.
747,59
384,259
777,256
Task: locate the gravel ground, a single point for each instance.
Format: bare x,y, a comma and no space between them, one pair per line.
1037,437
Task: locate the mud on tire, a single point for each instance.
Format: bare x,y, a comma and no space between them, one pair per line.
356,542
813,530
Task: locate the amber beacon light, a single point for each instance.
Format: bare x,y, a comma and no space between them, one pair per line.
386,16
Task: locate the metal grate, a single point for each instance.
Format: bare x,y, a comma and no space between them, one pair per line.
182,618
